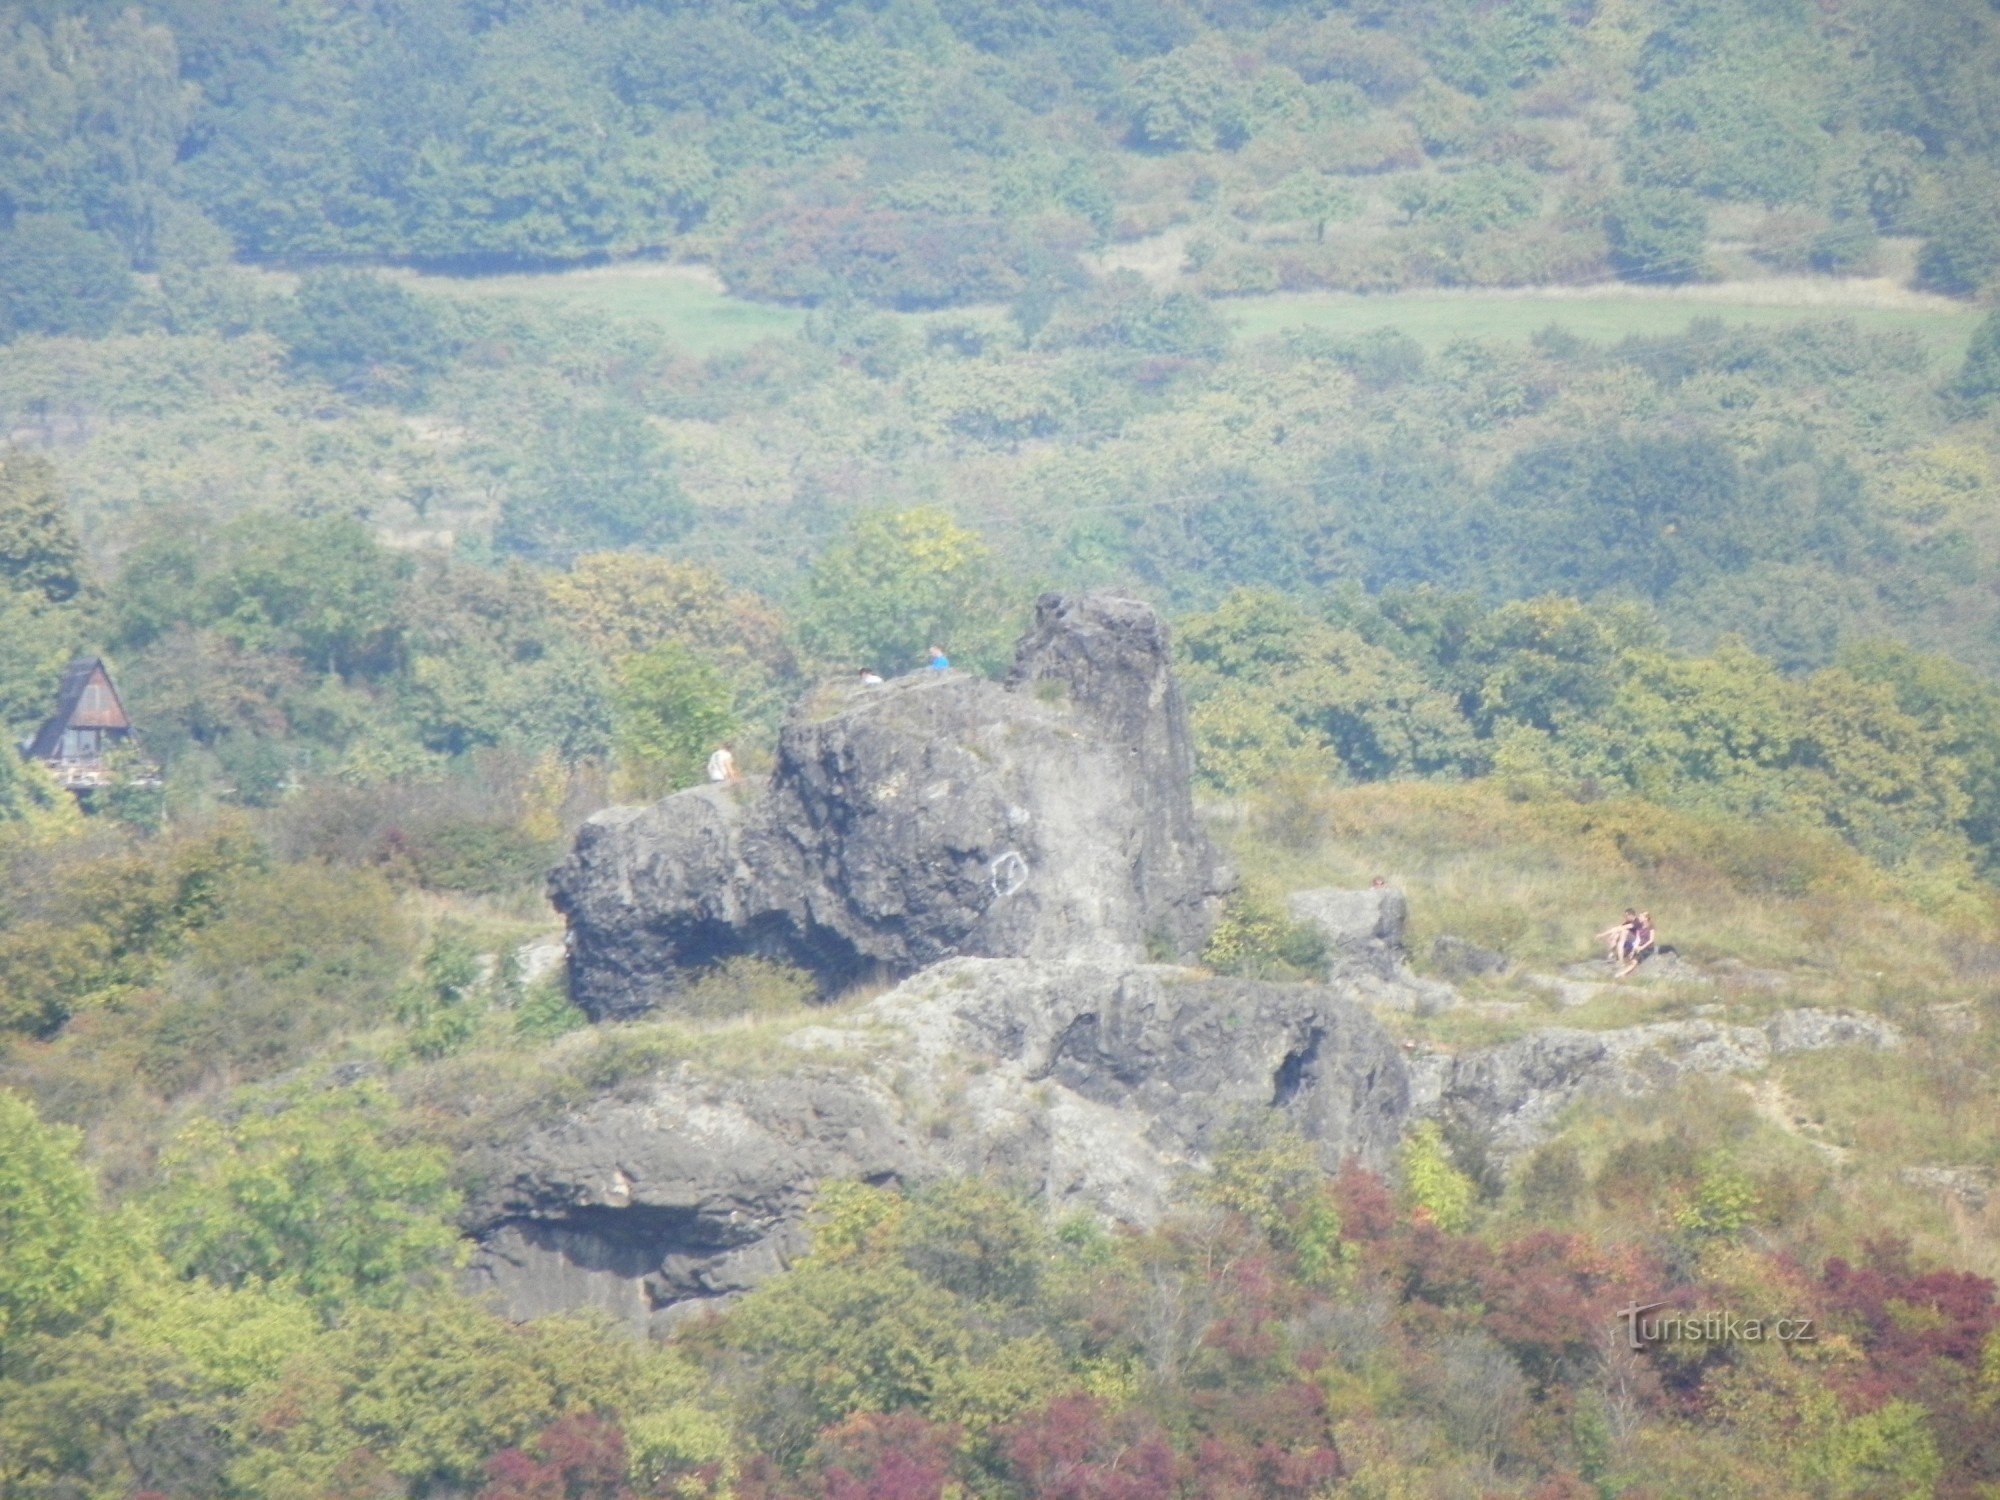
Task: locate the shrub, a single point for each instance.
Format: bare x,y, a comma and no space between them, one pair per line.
597,478
323,1193
473,857
59,278
1188,100
442,1006
898,582
292,958
893,257
673,710
365,334
1961,253
745,986
1553,1181
1658,234
1724,1203
53,1242
1256,940
1978,379
546,1012
1432,1186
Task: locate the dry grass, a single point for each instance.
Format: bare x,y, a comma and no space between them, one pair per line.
1817,924
1536,879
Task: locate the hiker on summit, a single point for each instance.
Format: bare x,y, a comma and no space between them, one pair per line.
870,677
722,765
939,661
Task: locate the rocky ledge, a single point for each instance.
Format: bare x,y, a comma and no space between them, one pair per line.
1096,1087
1092,1085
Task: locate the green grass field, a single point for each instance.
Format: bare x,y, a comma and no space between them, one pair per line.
681,303
687,308
1434,319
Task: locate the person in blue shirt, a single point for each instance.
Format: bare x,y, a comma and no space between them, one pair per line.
939,661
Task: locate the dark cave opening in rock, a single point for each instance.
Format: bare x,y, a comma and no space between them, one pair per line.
1291,1074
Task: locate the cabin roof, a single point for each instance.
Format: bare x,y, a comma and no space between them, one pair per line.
72,711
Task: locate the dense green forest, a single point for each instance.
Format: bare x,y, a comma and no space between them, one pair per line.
404,570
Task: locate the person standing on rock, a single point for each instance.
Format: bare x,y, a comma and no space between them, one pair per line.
939,661
722,766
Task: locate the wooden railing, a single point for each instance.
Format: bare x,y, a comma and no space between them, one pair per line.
90,775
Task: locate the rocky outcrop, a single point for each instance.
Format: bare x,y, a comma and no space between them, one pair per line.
1093,1086
1513,1096
1363,931
931,817
651,1207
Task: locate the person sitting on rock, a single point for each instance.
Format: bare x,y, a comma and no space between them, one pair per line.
939,661
870,677
722,765
1643,938
1618,940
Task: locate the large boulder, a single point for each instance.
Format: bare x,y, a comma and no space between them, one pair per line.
939,815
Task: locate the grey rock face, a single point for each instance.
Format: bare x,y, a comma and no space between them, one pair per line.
1363,929
935,816
1092,1085
1513,1095
1185,1056
1809,1030
690,1192
1970,1185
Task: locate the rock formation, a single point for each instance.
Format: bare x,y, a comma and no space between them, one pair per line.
1512,1096
1364,946
930,817
1363,929
1092,1085
1015,853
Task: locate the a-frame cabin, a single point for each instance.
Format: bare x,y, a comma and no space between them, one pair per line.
89,723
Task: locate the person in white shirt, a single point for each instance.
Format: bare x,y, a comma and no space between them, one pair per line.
722,766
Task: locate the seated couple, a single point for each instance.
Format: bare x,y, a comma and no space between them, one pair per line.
1630,941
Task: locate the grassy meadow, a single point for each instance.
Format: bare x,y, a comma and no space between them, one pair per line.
684,304
688,306
1437,318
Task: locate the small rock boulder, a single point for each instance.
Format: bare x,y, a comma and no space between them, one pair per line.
1363,929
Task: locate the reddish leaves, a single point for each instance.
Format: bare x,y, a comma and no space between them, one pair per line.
579,1458
1070,1451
